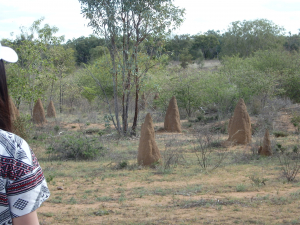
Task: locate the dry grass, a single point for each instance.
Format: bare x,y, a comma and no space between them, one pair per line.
99,192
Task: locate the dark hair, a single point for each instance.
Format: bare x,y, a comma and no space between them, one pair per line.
5,119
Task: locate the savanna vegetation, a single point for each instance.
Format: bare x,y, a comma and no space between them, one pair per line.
102,87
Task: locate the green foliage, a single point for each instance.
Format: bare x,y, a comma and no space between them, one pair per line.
295,120
241,188
249,79
178,45
246,37
194,89
292,42
56,128
266,73
185,58
95,74
280,134
27,79
107,120
98,52
86,48
122,165
41,60
77,146
257,180
207,44
50,178
289,162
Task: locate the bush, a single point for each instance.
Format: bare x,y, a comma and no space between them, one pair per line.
296,122
171,157
78,147
197,91
205,150
289,162
280,134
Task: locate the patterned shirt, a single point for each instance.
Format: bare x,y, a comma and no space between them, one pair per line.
22,184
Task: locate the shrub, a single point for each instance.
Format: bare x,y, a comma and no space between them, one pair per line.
122,165
289,162
240,188
296,122
205,150
257,180
280,134
78,147
171,157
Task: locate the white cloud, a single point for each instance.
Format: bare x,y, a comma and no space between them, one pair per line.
217,15
200,15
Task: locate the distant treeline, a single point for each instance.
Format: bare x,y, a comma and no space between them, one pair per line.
242,38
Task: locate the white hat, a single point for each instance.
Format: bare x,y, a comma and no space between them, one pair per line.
8,54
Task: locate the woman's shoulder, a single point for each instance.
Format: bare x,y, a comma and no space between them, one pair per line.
11,145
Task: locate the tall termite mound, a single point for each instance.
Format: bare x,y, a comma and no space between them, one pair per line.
172,119
148,152
14,112
266,148
239,127
16,122
38,112
51,113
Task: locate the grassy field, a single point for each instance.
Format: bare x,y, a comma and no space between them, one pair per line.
113,189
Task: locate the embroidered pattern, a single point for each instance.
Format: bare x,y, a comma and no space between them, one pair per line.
20,204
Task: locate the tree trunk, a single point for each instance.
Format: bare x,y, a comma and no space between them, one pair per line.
115,84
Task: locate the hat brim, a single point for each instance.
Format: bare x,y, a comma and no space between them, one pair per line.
8,54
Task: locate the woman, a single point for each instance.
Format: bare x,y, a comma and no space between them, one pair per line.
22,184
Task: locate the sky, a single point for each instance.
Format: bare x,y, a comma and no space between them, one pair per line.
200,15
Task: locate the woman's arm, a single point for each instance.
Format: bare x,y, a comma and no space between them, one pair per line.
28,219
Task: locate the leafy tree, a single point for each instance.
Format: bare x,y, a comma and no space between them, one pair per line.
98,52
63,62
185,58
125,25
292,42
246,37
219,36
83,47
25,78
207,43
253,76
29,78
178,45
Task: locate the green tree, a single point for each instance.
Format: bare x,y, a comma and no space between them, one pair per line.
26,78
185,58
177,45
246,37
29,78
207,43
125,25
63,62
292,42
83,47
